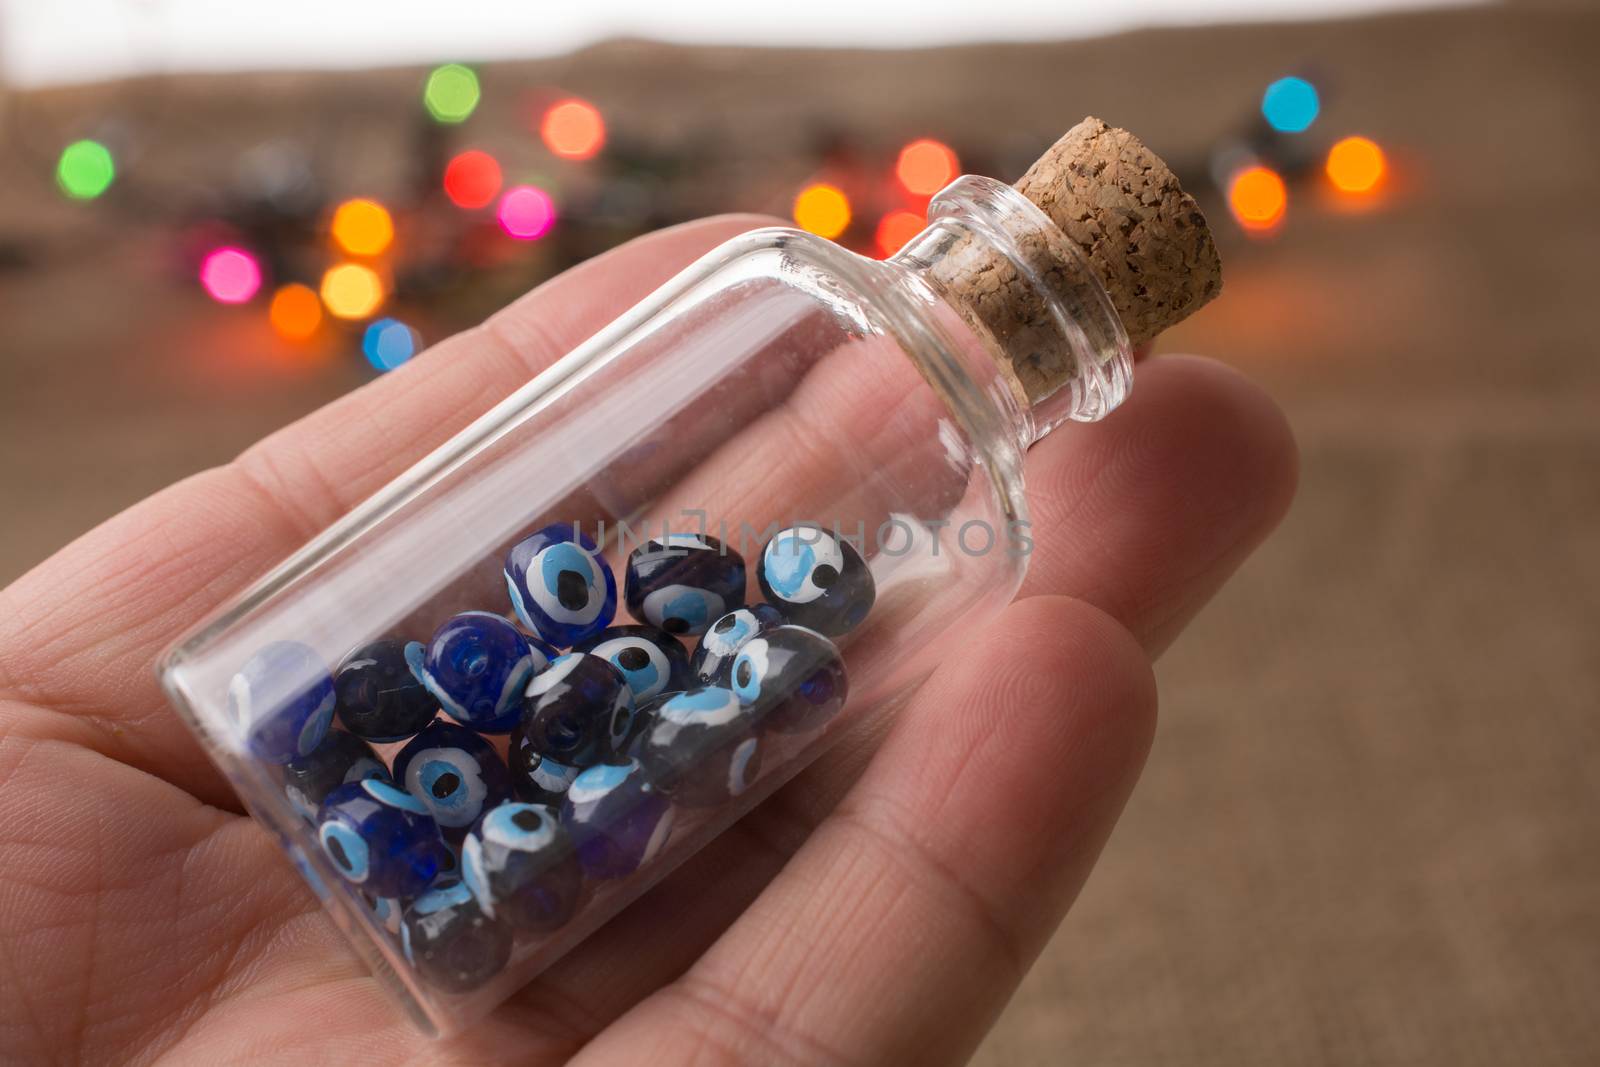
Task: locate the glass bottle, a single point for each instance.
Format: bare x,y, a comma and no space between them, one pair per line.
877,412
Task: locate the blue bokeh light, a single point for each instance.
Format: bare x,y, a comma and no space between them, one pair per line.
388,343
1290,105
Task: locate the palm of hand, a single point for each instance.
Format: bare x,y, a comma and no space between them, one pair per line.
142,916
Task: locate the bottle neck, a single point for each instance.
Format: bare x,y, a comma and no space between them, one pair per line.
1055,348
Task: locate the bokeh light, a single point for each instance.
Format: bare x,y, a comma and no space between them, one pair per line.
896,228
452,93
352,290
296,312
363,227
573,129
387,343
472,180
526,212
1356,165
1290,105
926,166
823,210
85,170
230,275
1258,198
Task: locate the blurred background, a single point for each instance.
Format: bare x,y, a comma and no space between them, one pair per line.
1368,830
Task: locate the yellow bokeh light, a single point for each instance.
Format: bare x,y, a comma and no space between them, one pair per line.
823,210
295,312
363,227
352,290
1356,165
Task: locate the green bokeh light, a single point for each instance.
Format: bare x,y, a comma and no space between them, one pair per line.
452,93
85,170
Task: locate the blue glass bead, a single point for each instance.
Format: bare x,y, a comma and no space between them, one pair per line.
521,867
701,747
455,773
792,677
380,838
714,658
617,819
817,580
282,699
577,711
478,665
450,941
652,660
341,758
387,910
683,582
560,586
379,697
535,777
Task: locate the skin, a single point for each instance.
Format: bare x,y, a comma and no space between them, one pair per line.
882,908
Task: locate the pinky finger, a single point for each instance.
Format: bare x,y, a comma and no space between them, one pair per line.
900,930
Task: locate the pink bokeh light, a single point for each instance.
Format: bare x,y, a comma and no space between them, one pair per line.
230,275
526,212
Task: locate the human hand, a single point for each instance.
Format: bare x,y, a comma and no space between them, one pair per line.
881,908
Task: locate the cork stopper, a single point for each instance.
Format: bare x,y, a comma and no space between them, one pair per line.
1140,232
1120,218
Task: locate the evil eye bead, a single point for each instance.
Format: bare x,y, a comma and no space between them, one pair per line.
617,819
536,778
792,677
341,758
455,773
477,666
282,701
561,588
650,659
380,838
578,711
683,582
816,579
452,944
701,747
714,658
379,697
521,867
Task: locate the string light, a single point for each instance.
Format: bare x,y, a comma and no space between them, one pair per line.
823,210
526,212
1258,198
895,229
85,170
926,166
230,275
472,180
363,227
295,312
1356,165
352,290
387,343
1290,105
451,94
573,129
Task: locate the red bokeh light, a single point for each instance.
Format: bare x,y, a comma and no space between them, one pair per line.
472,180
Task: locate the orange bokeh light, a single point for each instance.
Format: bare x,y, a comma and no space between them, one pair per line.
1356,165
352,290
926,166
573,129
1258,198
295,312
823,210
896,228
363,227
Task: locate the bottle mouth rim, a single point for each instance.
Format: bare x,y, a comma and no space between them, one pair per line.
996,211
